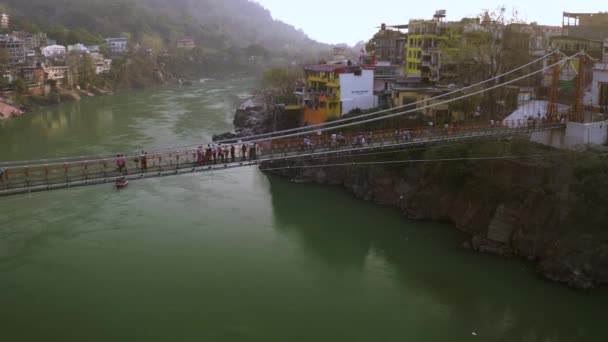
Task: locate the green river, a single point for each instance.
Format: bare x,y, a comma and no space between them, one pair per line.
239,256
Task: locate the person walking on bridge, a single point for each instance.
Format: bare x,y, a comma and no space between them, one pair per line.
121,163
214,150
232,153
244,152
208,154
144,161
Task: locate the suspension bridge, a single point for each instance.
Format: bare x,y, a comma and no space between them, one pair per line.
310,142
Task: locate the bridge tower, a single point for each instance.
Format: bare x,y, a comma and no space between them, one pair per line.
553,107
579,105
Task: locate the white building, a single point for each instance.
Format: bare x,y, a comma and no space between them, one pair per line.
4,21
53,51
55,73
599,87
117,45
102,65
77,48
357,91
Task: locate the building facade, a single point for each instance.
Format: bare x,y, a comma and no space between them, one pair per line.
117,45
15,47
599,87
333,90
52,51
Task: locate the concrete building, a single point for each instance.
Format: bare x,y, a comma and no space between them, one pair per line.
592,26
79,48
186,43
52,51
102,65
55,73
390,44
430,43
33,41
599,87
333,90
117,45
15,47
5,20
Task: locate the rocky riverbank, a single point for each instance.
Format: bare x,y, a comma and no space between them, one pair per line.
549,210
251,118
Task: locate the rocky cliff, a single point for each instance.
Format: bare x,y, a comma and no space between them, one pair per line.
549,210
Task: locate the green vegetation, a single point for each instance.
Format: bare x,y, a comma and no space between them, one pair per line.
230,28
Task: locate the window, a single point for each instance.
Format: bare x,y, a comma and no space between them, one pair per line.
603,100
322,104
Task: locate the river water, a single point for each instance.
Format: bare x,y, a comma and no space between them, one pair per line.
240,256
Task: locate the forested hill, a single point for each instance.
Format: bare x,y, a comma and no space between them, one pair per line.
221,25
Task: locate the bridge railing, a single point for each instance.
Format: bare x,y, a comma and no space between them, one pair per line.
84,170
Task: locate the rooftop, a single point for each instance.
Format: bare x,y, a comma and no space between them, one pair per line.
338,68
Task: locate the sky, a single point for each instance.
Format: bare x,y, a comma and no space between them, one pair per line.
342,21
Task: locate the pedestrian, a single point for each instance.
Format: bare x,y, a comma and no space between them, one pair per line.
334,140
232,153
119,163
214,150
244,152
370,138
396,136
144,160
208,154
220,153
2,175
199,156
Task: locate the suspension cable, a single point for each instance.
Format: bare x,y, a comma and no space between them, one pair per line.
424,107
341,120
312,127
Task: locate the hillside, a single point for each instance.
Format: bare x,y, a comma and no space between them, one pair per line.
220,25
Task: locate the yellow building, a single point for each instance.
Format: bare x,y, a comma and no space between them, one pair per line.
333,90
404,96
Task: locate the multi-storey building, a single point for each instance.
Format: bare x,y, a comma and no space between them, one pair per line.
429,44
592,26
4,21
16,49
390,44
117,45
333,90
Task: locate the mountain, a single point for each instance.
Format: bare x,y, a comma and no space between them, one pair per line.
220,25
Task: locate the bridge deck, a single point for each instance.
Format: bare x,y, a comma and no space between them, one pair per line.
18,179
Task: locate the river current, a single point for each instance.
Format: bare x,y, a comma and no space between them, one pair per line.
240,256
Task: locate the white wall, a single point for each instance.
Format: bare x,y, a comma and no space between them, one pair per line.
576,134
599,76
357,91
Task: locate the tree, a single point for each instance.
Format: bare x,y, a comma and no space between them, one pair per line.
281,82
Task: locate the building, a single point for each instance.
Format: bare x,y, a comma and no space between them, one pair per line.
390,44
413,97
592,26
5,20
53,51
117,45
33,41
78,48
102,65
599,87
333,90
55,73
430,43
32,74
186,43
571,45
16,49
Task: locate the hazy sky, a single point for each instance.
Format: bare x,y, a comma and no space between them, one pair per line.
341,21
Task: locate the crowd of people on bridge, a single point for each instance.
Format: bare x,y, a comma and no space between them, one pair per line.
210,155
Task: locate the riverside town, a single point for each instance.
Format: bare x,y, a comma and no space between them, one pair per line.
240,170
